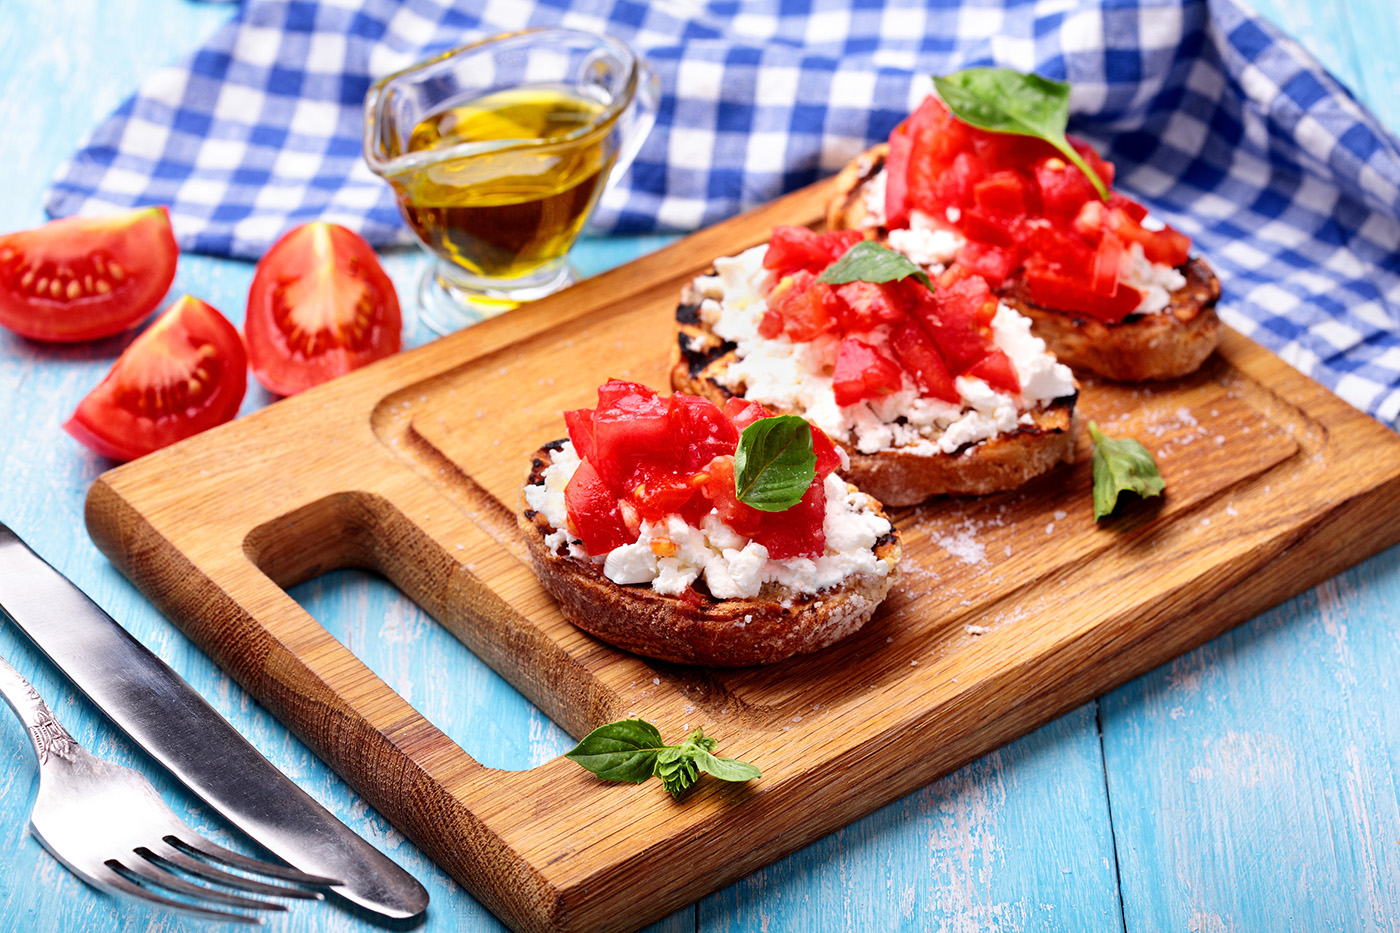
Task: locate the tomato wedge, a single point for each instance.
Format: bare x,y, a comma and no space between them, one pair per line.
81,278
187,372
320,306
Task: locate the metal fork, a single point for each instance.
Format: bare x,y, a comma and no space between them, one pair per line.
108,825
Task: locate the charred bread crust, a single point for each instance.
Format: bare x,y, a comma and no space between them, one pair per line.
895,477
699,629
1138,348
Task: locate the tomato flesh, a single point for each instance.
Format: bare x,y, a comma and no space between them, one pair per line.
186,373
81,278
645,457
320,306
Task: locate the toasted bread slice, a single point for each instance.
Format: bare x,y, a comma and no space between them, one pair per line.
698,628
894,476
1165,345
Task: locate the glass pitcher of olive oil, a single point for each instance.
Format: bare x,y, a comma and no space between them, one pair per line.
497,153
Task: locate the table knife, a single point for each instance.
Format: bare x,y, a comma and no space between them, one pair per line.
165,716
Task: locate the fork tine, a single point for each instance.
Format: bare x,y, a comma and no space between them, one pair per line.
113,880
153,872
214,873
210,849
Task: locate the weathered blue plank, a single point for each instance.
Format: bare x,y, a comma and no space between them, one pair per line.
1018,840
1254,781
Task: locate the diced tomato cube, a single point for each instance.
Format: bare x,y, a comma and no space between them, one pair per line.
1053,287
791,248
1166,246
863,372
828,460
579,424
866,305
631,430
797,531
997,370
897,178
1128,206
662,492
993,263
1003,194
807,307
770,326
702,429
594,515
719,489
1108,259
920,358
742,413
959,320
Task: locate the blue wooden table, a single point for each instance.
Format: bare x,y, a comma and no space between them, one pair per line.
1249,785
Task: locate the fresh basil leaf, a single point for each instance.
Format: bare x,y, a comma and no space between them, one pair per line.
677,769
726,769
774,463
1006,101
698,741
1119,466
620,751
868,261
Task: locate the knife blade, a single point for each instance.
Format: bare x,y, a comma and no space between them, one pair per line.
163,714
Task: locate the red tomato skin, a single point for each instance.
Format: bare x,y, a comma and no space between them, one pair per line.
593,511
311,273
897,178
921,360
997,371
140,243
1050,287
863,372
108,420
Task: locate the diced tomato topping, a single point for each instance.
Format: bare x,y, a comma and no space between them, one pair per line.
1020,202
863,372
1052,287
960,320
919,356
993,263
997,371
593,511
804,305
867,305
793,248
645,457
897,178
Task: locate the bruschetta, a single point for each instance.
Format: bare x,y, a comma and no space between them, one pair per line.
1109,290
634,524
931,388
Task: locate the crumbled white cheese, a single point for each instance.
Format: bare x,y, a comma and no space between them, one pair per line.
733,567
873,199
1155,280
797,377
925,243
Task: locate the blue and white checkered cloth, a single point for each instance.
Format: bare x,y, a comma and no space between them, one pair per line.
1222,125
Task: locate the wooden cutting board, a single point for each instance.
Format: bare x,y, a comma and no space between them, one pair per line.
1012,608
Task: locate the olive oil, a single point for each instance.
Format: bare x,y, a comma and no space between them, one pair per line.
506,213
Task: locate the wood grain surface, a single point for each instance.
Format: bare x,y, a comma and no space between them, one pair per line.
1251,784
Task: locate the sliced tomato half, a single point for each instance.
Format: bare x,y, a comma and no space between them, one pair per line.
187,372
320,306
81,278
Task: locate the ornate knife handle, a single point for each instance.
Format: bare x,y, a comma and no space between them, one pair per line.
45,731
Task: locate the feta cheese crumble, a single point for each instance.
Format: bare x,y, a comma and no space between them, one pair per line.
732,566
797,376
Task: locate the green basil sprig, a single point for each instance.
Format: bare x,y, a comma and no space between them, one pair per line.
632,750
774,463
868,261
1119,466
1006,101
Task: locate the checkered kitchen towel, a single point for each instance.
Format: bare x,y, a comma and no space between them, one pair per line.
1224,126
